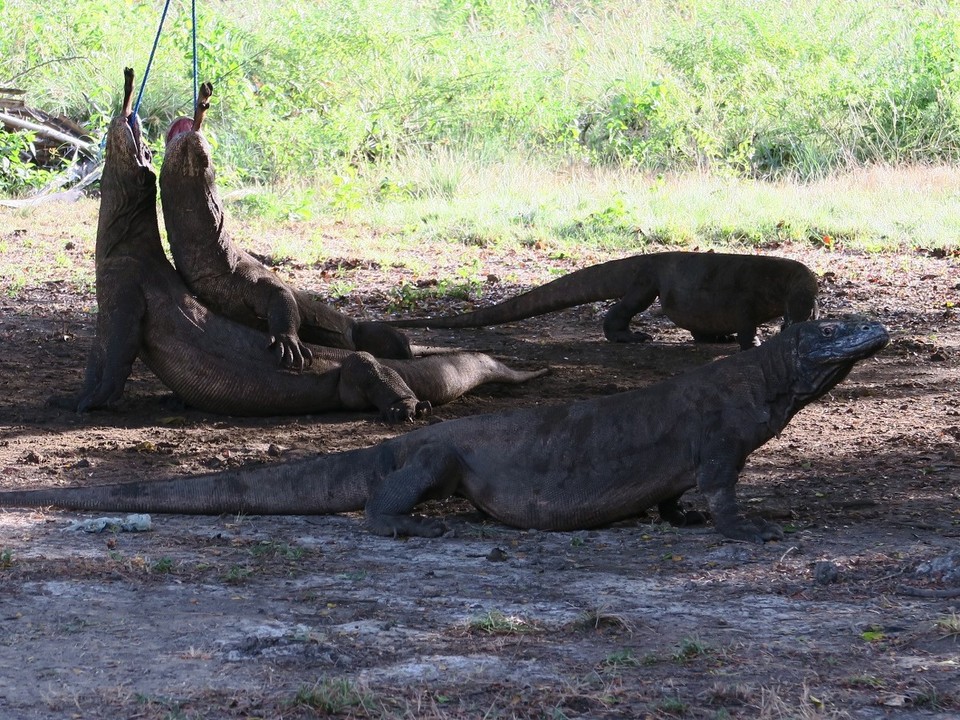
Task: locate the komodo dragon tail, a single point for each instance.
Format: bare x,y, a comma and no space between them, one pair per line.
304,487
443,378
597,282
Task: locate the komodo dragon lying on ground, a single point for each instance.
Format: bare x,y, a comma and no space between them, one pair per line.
713,295
211,362
232,282
569,466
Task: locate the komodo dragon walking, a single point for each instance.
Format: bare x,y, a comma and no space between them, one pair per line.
565,467
211,362
232,282
713,295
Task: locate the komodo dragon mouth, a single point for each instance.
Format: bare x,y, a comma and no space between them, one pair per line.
143,154
843,343
125,135
828,349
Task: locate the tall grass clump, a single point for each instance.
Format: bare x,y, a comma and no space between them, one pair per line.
805,88
750,88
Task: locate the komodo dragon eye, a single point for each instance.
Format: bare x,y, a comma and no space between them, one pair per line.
827,331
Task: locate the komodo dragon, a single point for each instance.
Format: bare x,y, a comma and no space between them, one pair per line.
232,282
713,295
570,466
211,362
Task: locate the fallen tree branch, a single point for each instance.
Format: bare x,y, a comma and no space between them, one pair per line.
89,148
71,195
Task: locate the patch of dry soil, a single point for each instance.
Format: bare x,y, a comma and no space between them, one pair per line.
295,616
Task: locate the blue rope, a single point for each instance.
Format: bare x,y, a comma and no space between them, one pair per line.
143,83
193,17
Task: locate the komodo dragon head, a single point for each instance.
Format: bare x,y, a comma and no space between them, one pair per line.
129,155
129,183
826,350
188,158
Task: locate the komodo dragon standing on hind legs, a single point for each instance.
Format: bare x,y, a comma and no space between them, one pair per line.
713,295
565,467
232,282
211,362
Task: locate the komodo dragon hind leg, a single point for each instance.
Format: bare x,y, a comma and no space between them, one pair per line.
364,382
616,323
381,340
432,472
801,305
673,512
746,336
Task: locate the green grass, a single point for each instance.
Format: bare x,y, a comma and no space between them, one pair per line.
947,626
332,697
565,212
573,209
237,574
526,202
163,565
498,623
672,706
751,88
619,659
573,127
690,648
269,550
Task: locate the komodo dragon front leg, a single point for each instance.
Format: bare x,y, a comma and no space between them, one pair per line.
716,478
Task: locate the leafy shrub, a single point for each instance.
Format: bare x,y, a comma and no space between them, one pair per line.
17,173
749,87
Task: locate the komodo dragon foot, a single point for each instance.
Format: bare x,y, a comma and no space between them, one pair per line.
407,410
405,526
628,336
755,530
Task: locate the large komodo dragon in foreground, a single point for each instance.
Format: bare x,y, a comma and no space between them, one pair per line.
211,362
713,295
232,282
555,468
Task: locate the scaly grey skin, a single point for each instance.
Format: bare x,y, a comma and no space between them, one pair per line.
713,295
566,467
233,283
213,363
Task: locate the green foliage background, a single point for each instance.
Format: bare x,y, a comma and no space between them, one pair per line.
754,88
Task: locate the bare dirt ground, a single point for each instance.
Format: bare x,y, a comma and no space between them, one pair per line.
856,614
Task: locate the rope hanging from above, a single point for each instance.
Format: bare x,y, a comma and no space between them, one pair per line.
143,83
153,51
193,21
